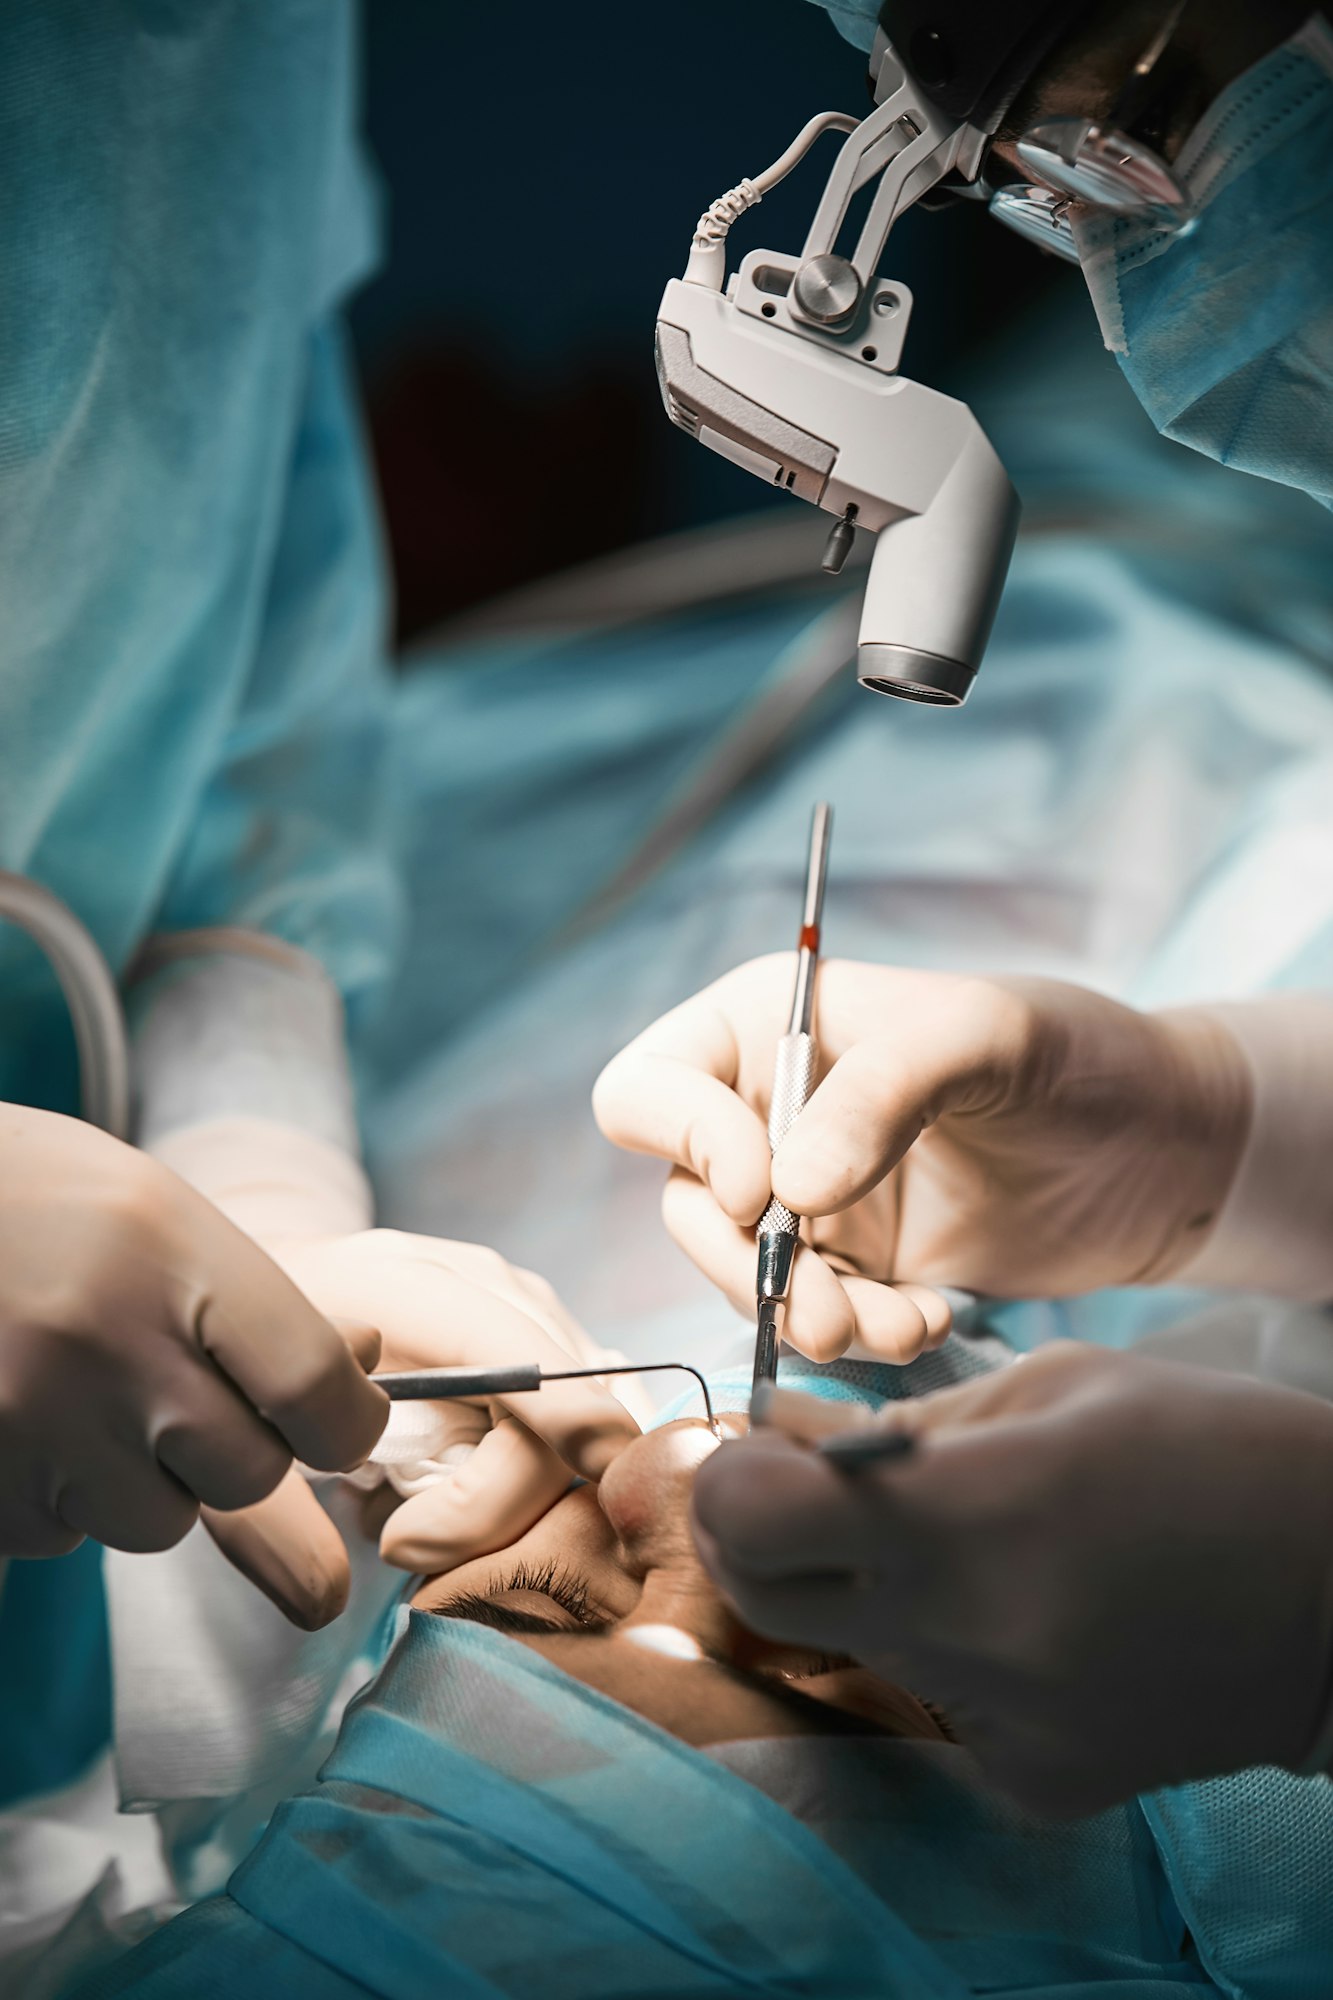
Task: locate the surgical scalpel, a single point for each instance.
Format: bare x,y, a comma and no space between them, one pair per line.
432,1385
793,1081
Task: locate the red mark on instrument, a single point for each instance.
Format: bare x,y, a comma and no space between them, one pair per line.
809,938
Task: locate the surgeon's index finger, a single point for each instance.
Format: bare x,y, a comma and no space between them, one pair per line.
773,1508
673,1092
949,1049
282,1354
433,1317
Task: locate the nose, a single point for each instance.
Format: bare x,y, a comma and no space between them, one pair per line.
645,1493
645,1496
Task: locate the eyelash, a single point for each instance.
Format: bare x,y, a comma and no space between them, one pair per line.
552,1579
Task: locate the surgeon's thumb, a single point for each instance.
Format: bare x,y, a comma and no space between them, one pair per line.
287,1546
950,1051
856,1128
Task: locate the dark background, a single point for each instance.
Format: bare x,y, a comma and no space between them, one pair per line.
543,169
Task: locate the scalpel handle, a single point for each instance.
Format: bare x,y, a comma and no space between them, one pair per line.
793,1082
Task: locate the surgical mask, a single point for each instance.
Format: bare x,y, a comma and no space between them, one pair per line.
1225,329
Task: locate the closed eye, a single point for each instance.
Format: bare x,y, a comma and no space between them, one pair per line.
562,1589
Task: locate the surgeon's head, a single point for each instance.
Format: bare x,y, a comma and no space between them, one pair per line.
1084,72
608,1586
1178,152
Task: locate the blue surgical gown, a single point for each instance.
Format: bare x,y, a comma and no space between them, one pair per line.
192,688
193,696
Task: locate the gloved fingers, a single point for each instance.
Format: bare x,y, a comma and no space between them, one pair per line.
285,1357
539,1298
129,1502
823,1611
210,1439
582,1420
951,1048
29,1533
825,1310
485,1267
432,1317
934,1309
533,1295
774,1510
365,1342
629,1390
890,1319
287,1546
820,1320
672,1093
486,1503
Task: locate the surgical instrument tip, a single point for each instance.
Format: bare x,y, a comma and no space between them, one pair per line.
766,1345
793,1082
431,1385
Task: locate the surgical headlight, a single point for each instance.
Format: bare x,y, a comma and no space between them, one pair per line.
789,367
790,370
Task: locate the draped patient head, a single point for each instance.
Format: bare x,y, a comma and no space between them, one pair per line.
609,1587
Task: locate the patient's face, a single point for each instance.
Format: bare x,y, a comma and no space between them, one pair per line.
609,1587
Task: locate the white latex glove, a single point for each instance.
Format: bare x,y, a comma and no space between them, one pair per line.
1016,1137
436,1304
1112,1573
442,1304
151,1358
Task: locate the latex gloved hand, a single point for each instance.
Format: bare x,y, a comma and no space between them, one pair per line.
1011,1136
151,1357
1111,1573
492,1469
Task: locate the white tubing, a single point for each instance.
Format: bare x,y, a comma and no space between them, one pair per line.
707,264
90,994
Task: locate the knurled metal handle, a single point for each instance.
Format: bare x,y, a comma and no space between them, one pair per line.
793,1081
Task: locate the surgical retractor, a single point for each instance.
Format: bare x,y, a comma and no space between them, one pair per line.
440,1385
793,1081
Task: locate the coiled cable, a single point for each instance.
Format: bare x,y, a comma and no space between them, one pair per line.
707,261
